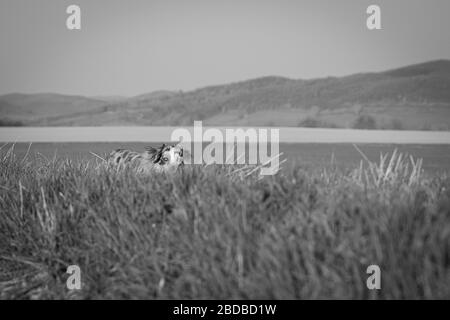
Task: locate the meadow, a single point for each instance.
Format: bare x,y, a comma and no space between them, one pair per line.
308,155
222,232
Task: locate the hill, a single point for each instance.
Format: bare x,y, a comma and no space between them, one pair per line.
412,97
36,108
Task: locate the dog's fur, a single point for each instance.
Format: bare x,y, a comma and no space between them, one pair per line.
163,159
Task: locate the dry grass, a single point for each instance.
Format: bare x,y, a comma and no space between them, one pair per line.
222,231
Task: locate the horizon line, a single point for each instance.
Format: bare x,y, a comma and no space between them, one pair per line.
99,96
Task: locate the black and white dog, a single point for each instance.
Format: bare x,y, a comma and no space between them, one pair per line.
166,158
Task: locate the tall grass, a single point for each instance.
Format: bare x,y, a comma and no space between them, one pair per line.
220,232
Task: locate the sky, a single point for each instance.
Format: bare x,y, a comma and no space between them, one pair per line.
138,46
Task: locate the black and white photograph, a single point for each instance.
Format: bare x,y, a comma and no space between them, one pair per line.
246,152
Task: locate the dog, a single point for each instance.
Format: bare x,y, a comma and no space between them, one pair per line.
167,158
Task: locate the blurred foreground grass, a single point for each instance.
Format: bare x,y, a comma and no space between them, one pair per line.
216,233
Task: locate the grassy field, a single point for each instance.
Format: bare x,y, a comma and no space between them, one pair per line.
215,233
308,155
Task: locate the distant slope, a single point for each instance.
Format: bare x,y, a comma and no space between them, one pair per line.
412,97
31,108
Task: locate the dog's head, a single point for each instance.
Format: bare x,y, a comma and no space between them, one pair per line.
167,156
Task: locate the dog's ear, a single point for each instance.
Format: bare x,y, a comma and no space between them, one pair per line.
154,153
158,154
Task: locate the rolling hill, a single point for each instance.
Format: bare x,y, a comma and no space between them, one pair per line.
411,97
37,108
